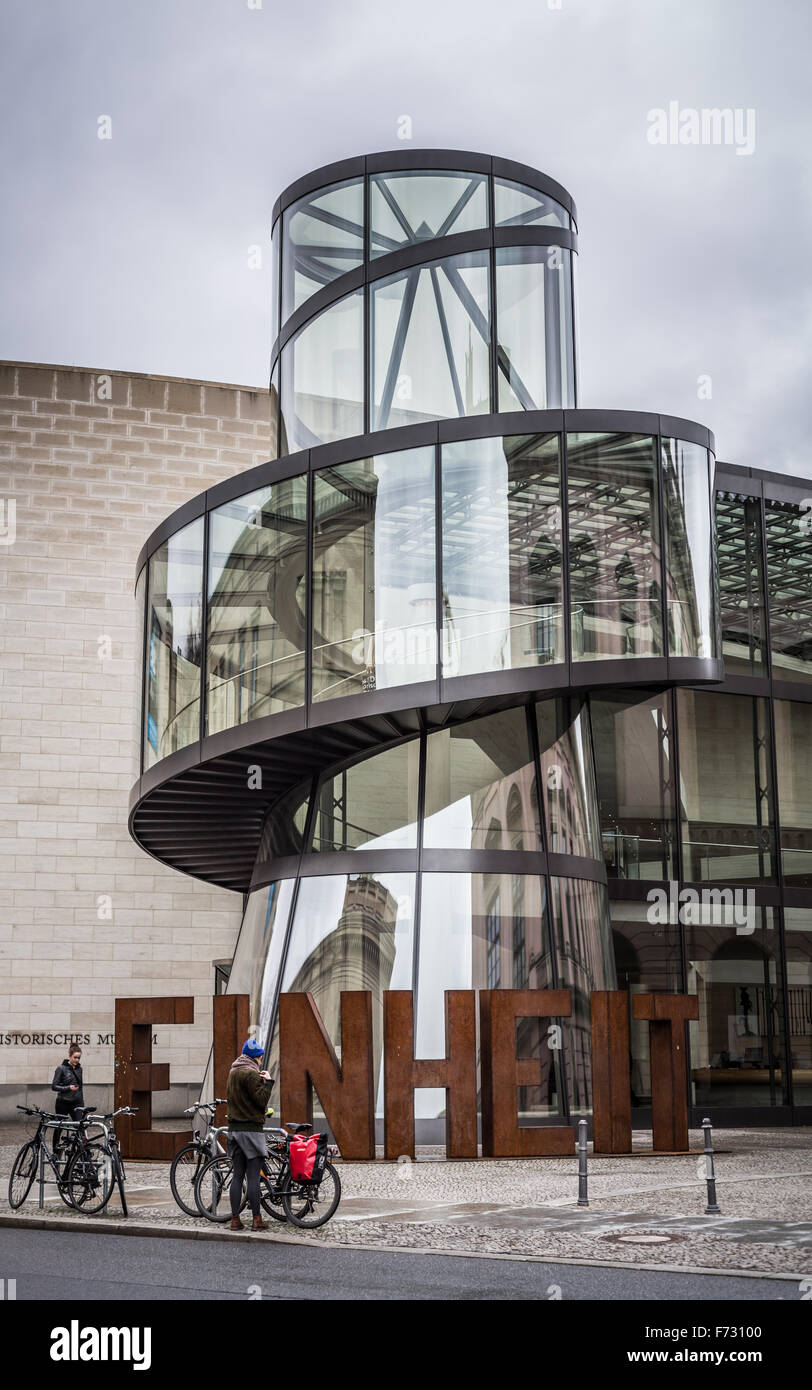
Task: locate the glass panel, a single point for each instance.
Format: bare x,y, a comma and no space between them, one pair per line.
323,377
413,206
515,205
614,546
485,931
725,799
502,554
138,683
635,773
255,968
256,612
648,958
323,238
373,580
284,829
174,644
275,450
733,968
352,932
793,747
583,944
371,805
568,778
789,576
690,595
534,319
275,251
480,786
430,348
798,945
740,564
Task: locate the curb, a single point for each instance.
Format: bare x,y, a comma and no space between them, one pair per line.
93,1226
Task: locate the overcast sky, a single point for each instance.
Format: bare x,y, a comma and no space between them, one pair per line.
133,253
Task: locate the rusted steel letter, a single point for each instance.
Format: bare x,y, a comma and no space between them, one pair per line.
137,1076
667,1015
307,1062
231,1021
455,1073
611,1073
503,1071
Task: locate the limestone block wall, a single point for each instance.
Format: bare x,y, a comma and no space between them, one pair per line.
90,463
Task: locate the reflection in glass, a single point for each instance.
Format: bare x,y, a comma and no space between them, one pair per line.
648,958
502,554
275,247
740,564
322,388
485,931
323,238
516,205
174,643
534,323
276,447
725,797
614,546
798,945
480,786
430,344
283,833
689,570
583,945
733,968
257,957
415,205
255,652
373,574
789,579
138,707
372,804
634,759
793,732
352,932
568,778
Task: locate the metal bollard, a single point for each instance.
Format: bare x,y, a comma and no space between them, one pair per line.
583,1197
713,1208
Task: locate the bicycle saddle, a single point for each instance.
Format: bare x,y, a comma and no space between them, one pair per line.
81,1112
299,1129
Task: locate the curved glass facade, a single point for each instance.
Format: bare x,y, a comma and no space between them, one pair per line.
369,336
444,561
473,659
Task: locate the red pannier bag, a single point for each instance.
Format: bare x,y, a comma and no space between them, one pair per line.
308,1157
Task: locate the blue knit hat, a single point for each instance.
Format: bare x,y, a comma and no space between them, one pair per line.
252,1048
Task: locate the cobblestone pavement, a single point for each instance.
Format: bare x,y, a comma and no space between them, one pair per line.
643,1209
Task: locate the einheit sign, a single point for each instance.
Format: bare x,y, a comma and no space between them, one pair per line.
309,1064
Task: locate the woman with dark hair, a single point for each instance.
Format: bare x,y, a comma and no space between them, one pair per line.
67,1083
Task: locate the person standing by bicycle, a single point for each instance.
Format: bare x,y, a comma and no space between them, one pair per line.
247,1096
67,1083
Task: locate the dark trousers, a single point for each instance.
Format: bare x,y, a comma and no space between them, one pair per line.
66,1108
240,1168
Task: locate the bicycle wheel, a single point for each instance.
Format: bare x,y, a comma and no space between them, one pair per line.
187,1166
213,1190
90,1177
23,1172
308,1205
119,1171
270,1198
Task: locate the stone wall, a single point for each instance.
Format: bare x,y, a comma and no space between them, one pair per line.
92,462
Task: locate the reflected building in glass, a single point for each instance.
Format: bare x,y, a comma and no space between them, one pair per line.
456,684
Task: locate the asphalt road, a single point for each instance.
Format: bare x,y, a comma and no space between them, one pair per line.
46,1264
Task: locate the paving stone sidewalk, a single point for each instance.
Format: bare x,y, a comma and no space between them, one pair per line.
644,1210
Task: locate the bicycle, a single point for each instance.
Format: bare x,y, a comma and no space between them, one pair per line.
303,1202
98,1167
190,1160
30,1156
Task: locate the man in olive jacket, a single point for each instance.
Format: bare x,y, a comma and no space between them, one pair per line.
247,1095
